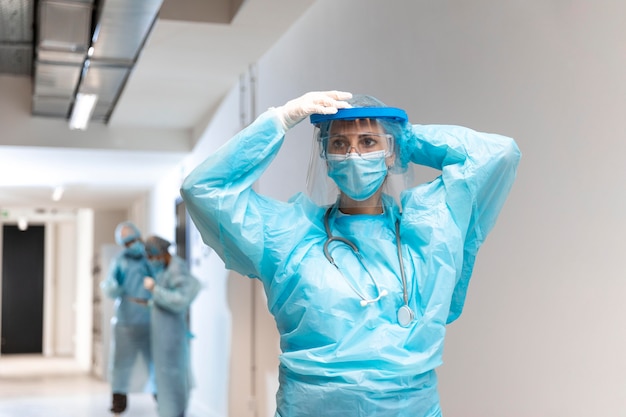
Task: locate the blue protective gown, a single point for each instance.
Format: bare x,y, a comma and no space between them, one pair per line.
173,293
130,362
339,358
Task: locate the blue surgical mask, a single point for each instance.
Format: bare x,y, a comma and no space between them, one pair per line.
136,250
157,266
358,176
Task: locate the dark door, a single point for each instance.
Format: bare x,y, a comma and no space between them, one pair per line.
22,289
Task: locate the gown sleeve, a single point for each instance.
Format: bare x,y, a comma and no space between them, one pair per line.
111,286
244,228
478,170
179,288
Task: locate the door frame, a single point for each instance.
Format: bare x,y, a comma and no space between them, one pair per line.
83,282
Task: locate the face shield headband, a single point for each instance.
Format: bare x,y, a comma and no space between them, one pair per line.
389,113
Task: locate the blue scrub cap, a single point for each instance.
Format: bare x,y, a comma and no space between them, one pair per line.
126,232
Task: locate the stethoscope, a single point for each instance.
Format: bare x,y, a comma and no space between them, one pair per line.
405,314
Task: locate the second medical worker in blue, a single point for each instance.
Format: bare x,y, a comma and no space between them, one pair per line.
361,286
173,290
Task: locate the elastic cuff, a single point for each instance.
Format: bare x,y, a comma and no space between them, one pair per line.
279,114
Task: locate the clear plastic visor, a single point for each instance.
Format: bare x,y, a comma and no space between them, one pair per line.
342,139
362,136
341,146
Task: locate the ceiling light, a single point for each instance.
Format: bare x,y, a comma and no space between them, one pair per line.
82,110
22,223
57,193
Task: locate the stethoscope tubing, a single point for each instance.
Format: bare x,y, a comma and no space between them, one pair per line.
331,238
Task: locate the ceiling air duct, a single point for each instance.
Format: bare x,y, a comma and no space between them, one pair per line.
87,49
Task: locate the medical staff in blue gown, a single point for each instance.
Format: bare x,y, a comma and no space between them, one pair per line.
173,289
130,362
361,288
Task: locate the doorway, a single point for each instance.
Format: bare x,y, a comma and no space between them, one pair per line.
22,289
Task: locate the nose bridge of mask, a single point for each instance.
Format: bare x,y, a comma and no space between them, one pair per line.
357,155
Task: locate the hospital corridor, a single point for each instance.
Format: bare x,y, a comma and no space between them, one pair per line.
36,386
312,208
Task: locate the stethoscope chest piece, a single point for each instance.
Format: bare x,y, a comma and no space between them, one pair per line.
405,316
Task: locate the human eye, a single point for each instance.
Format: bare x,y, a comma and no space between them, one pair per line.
337,144
370,142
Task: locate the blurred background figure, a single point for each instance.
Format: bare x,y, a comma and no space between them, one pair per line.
173,289
130,364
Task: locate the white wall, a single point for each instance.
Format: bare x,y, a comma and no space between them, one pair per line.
64,251
540,334
210,313
162,203
537,337
83,320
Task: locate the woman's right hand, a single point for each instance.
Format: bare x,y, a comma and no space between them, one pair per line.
315,102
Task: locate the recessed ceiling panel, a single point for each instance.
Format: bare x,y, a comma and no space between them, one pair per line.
215,11
16,59
16,20
65,26
16,37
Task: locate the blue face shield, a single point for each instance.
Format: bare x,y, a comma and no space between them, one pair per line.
347,153
354,113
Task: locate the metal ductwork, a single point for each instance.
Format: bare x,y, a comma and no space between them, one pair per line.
16,36
87,47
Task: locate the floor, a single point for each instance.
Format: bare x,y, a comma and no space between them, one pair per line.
34,386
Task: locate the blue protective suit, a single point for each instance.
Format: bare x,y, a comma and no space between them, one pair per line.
173,293
130,362
339,358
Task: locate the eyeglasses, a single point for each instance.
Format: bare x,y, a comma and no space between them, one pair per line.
362,143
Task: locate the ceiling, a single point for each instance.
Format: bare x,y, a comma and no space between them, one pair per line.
160,68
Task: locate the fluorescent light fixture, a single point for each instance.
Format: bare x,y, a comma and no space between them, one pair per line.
57,193
82,110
